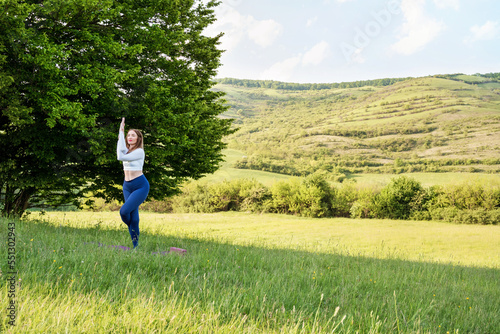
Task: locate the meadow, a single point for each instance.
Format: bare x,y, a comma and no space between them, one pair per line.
227,172
248,273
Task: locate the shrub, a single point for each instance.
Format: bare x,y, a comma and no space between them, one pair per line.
194,198
447,214
281,194
397,200
224,196
310,197
236,195
363,207
468,196
349,200
158,206
99,204
476,216
253,195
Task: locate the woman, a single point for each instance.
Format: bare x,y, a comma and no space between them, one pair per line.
135,186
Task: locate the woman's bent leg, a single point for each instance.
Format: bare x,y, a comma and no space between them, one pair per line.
125,214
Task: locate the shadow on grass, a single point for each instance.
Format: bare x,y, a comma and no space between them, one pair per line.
258,282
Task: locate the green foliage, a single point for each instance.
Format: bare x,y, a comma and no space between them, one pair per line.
468,196
313,196
466,203
362,206
397,200
309,197
195,198
431,124
69,70
480,216
472,79
237,195
344,198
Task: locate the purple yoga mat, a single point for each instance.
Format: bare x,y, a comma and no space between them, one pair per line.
176,250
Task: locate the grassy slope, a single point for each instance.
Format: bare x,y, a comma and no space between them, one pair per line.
453,119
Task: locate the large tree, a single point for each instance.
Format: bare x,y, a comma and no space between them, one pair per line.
70,69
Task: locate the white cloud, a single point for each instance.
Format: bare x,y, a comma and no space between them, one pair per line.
265,32
488,31
311,21
236,27
281,71
455,4
317,54
357,56
231,22
418,29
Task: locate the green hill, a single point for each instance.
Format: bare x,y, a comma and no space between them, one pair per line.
448,123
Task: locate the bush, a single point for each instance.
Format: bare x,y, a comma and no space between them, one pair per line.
194,198
236,195
447,214
253,196
225,196
399,199
363,207
158,206
99,204
310,197
343,199
468,196
349,200
477,216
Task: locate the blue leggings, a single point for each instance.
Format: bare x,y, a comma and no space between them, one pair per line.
134,192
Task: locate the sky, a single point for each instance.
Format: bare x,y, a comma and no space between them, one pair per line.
326,41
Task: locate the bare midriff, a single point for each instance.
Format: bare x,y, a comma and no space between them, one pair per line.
132,174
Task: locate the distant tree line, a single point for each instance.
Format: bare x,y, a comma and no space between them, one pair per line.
493,77
308,86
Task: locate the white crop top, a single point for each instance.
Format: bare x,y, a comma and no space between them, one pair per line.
131,161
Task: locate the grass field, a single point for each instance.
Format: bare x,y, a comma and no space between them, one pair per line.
253,274
228,173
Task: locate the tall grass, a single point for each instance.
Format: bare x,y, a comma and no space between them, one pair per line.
68,284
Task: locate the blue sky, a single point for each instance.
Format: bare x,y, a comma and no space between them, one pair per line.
322,41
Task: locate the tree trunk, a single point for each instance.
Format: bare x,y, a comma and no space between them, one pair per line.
16,201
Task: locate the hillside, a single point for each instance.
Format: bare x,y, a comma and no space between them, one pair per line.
433,124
